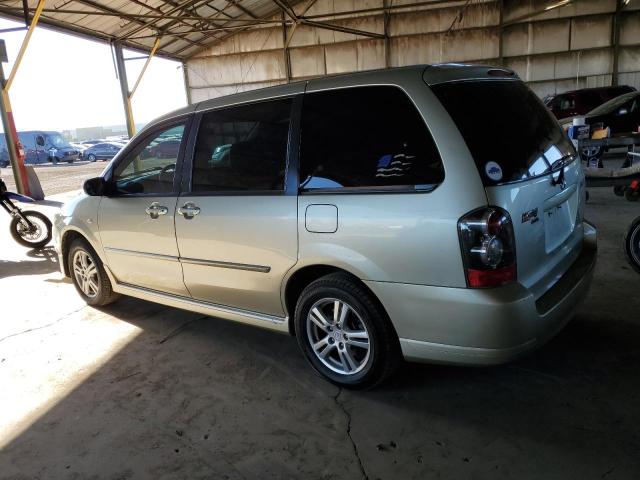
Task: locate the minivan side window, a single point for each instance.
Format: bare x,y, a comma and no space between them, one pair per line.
149,168
242,148
366,138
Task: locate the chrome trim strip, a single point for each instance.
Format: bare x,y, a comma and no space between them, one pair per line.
192,261
169,258
235,266
211,306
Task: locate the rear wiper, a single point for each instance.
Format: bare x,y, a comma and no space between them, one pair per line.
559,165
561,162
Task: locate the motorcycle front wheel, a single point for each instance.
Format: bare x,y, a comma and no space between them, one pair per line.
36,236
632,244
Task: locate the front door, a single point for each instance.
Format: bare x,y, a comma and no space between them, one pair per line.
236,226
136,219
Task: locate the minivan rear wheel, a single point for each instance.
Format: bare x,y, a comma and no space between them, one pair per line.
88,275
345,334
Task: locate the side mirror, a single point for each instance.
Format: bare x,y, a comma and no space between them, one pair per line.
95,187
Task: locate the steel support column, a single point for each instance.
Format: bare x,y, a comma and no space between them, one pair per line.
501,33
285,50
387,40
16,154
11,135
124,89
615,41
187,87
124,83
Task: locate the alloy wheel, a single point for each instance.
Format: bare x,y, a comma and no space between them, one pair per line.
86,273
338,336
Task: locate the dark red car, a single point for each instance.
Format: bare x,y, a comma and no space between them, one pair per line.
579,102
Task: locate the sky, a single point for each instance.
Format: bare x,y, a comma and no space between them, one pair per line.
65,82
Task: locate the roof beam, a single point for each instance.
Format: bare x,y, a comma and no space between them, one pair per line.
244,10
117,14
338,28
151,24
193,5
85,33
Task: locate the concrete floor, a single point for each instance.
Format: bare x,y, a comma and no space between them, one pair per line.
138,390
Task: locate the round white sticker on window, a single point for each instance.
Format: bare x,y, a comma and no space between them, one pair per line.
493,171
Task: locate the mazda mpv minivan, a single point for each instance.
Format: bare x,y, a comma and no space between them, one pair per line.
432,213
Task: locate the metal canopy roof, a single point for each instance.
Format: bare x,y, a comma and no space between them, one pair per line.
186,26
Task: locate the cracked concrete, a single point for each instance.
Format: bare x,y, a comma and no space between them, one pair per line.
98,396
353,443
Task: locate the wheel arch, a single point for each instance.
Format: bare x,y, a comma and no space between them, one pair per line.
66,239
298,280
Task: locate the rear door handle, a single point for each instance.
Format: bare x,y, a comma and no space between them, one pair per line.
189,210
155,210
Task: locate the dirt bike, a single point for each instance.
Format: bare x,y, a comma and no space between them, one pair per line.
29,228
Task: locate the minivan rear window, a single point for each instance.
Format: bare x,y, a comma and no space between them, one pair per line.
510,133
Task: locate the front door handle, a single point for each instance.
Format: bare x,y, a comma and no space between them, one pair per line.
155,210
189,210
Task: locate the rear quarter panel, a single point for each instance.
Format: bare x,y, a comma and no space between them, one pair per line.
399,237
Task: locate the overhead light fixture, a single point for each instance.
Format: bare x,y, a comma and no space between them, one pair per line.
559,4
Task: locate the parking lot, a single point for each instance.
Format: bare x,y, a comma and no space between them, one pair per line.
142,390
60,178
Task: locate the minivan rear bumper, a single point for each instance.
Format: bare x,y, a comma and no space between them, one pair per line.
484,327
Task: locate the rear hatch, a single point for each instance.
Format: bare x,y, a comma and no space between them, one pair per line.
529,168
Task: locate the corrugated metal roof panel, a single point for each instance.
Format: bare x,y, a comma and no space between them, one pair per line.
187,26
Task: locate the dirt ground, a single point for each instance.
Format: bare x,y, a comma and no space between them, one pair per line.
138,390
59,178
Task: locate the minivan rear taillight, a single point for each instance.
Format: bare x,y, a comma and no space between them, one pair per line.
488,247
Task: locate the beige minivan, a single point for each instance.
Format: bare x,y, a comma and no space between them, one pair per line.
432,213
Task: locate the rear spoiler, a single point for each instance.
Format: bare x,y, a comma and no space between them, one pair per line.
455,72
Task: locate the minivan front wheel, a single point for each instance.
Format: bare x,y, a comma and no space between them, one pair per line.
88,275
344,333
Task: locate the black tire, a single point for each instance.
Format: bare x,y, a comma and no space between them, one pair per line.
632,194
619,190
632,244
383,346
91,157
104,293
21,235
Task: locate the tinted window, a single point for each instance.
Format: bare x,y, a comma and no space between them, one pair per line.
613,104
366,137
504,123
591,99
242,148
143,171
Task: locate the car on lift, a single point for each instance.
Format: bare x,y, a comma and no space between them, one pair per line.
579,102
102,151
374,216
621,114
